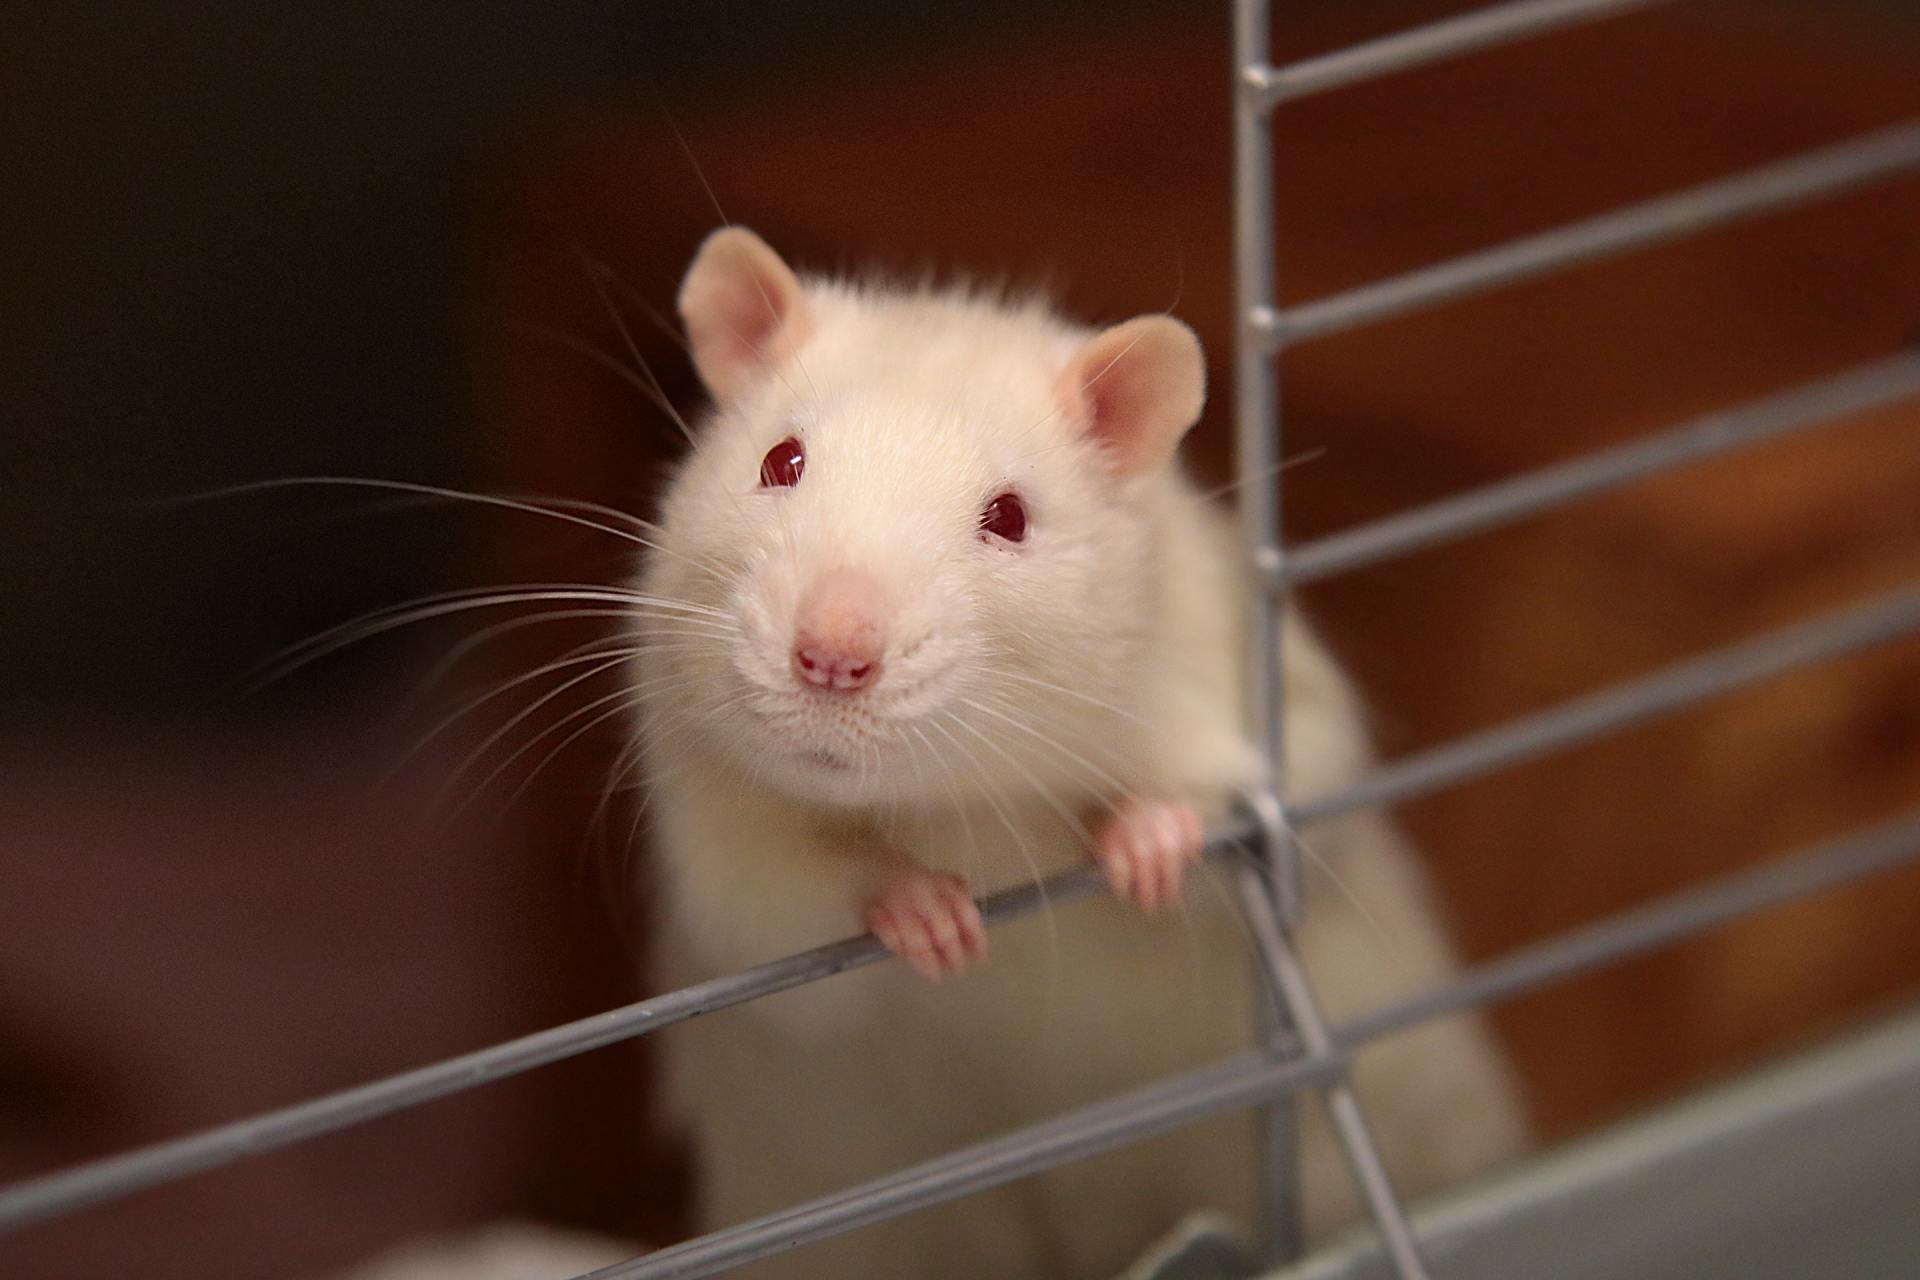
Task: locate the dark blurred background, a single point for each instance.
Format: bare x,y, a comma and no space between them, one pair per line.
241,243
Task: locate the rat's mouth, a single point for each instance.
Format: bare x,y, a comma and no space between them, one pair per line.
829,748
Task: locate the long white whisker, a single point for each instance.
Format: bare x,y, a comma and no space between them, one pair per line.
367,625
1049,685
640,692
1046,796
714,198
595,277
520,717
1347,891
1099,749
633,298
959,805
580,346
627,699
552,506
460,651
1101,373
530,507
626,761
988,792
1266,473
1119,788
700,712
559,664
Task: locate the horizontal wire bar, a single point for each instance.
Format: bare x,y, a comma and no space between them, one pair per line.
121,1175
1885,617
1807,176
1816,404
1159,1108
1481,29
1253,1079
1666,920
1776,652
1687,682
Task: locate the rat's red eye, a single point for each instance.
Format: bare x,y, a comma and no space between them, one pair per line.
1005,517
782,466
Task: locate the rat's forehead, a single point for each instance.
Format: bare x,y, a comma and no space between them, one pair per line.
873,431
933,345
958,435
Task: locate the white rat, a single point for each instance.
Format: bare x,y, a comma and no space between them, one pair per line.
954,619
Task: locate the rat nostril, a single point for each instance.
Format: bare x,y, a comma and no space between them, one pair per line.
808,668
851,676
827,668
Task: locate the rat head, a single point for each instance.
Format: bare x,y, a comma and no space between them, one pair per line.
918,539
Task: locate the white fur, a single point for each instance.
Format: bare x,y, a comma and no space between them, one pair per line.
776,811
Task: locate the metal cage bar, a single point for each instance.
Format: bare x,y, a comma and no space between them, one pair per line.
1886,617
1670,919
1240,1082
1869,158
117,1176
123,1175
1271,897
1254,1078
1447,38
1805,407
1271,1078
1256,452
1289,981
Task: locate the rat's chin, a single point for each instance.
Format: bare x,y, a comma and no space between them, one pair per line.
832,775
839,762
820,758
830,750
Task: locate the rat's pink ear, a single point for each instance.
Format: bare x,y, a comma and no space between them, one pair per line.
1137,388
743,309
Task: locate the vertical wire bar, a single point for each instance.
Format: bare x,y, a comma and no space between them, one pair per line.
1349,1121
1256,447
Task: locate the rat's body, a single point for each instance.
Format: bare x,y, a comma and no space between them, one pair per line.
955,620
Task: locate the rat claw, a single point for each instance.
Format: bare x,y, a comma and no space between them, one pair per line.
973,930
1193,833
928,920
1115,854
882,925
1145,847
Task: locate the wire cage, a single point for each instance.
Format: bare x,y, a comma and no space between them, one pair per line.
1300,1051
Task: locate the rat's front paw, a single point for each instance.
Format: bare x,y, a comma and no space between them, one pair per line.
1145,848
929,921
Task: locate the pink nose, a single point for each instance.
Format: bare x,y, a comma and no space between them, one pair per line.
838,639
825,667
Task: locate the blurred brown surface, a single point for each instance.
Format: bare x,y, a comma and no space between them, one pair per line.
1097,158
213,937
194,938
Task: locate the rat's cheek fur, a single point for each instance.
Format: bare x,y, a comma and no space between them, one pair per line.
762,605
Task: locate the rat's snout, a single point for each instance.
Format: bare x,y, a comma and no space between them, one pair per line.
838,636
